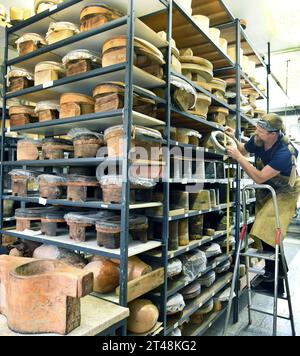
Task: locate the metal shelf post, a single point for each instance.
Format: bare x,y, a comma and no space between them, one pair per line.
238,136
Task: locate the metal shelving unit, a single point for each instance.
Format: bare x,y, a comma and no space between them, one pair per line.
203,46
158,15
131,26
198,302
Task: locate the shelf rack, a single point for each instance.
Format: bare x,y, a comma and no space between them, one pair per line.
143,20
131,26
203,46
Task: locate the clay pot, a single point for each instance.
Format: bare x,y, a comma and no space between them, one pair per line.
143,316
48,71
21,115
28,150
19,79
86,146
59,31
30,42
136,268
52,187
74,104
96,16
106,275
43,297
114,137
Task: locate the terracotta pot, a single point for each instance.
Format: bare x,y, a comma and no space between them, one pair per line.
30,42
43,297
52,187
54,148
28,150
86,146
115,139
106,275
143,316
136,268
19,79
59,31
48,71
22,115
96,16
73,104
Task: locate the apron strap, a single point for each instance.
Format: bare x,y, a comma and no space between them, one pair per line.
293,176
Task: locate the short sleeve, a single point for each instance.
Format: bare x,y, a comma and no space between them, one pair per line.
281,161
250,146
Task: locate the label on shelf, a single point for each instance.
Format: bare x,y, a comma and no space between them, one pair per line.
48,85
104,206
186,215
42,201
53,8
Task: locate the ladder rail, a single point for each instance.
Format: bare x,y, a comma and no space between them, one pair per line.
278,251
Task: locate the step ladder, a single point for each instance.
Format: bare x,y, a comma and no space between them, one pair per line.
279,253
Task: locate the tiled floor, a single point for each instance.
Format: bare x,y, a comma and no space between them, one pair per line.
263,325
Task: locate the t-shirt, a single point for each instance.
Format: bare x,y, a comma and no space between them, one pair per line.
278,157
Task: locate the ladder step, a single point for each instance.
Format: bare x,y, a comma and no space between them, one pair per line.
270,314
268,294
269,256
260,272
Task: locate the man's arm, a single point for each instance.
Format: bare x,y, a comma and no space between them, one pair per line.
259,177
241,146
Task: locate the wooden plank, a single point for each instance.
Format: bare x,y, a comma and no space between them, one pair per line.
212,9
96,316
144,284
63,240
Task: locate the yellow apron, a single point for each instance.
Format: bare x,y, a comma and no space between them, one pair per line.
264,227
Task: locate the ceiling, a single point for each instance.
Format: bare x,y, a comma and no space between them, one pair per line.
274,21
277,22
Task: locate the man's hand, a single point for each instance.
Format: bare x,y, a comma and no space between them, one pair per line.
234,153
230,132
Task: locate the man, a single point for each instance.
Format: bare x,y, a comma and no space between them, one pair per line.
275,165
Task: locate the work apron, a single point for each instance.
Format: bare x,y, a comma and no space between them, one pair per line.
265,226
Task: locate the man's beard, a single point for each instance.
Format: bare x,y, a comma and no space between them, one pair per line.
258,142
